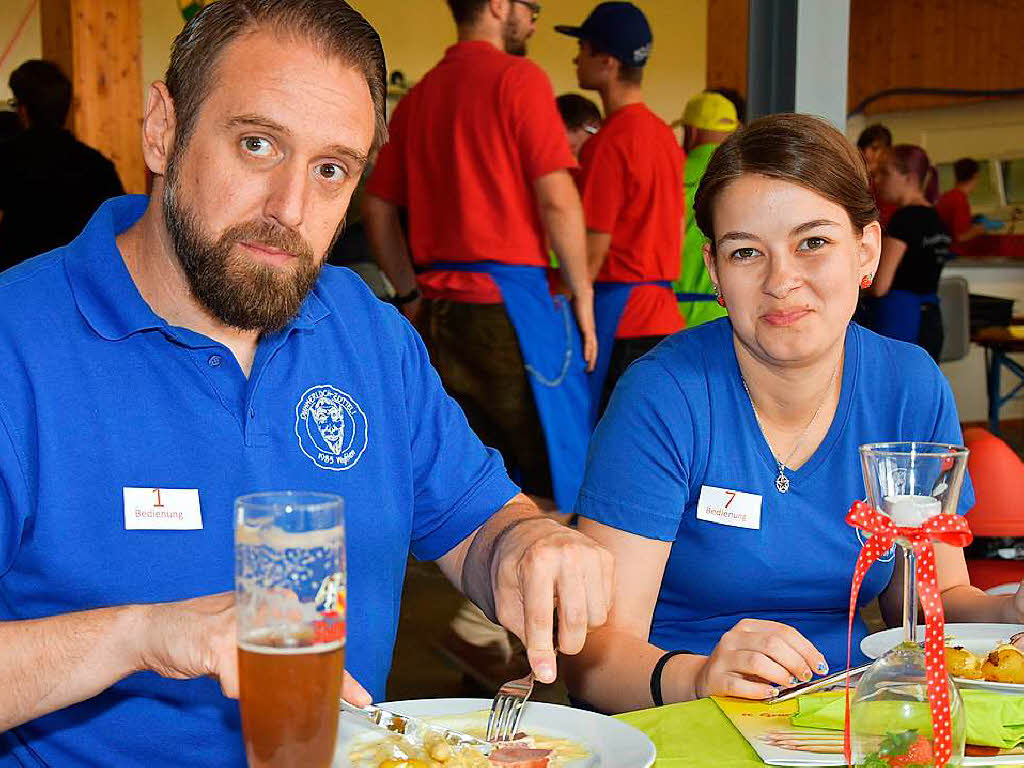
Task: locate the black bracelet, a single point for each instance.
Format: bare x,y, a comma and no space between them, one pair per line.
405,298
656,676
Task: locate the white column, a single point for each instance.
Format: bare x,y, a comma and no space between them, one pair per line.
797,58
822,58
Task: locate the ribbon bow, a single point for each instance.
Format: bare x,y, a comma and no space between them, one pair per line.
948,529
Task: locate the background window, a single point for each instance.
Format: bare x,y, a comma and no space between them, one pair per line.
1013,180
984,195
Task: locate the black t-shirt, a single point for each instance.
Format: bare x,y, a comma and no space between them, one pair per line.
50,185
928,241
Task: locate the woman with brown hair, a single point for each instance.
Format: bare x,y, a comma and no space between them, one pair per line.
722,471
915,248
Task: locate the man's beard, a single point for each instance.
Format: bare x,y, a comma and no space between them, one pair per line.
513,41
240,292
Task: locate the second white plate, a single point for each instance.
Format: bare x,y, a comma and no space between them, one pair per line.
976,638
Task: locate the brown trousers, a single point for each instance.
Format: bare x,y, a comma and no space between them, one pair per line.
475,351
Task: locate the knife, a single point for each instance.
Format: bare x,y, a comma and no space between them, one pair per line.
415,729
814,685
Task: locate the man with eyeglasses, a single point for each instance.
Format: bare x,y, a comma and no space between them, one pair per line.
479,160
50,182
534,9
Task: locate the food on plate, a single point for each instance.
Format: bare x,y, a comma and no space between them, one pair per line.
521,757
394,751
527,751
962,663
1004,665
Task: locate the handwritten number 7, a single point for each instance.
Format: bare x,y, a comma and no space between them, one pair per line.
731,495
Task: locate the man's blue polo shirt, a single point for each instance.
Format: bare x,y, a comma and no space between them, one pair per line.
99,394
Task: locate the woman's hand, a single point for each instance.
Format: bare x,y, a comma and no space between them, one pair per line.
755,658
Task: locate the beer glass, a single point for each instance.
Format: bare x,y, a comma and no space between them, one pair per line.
290,591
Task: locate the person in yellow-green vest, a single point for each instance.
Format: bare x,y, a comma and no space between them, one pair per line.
707,120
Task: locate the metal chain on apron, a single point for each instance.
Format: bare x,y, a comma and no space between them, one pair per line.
567,358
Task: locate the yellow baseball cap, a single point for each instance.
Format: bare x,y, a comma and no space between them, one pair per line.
710,111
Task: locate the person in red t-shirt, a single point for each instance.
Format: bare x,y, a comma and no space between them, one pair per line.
479,161
632,184
478,158
954,206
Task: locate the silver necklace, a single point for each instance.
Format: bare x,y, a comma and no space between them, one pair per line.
782,482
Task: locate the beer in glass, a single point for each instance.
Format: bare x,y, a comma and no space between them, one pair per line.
290,588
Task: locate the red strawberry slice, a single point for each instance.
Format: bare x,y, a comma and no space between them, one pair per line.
920,753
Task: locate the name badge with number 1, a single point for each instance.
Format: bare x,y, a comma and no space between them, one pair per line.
162,509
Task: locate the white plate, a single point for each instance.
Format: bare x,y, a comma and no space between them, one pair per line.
976,638
611,743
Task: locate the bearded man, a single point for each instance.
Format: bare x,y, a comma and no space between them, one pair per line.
180,337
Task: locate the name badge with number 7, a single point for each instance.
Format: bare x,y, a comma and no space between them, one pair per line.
726,507
162,509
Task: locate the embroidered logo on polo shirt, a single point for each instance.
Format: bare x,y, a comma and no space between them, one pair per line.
331,427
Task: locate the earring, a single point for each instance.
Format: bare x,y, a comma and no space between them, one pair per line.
718,296
865,282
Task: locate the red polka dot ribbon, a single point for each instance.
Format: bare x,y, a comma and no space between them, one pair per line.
948,529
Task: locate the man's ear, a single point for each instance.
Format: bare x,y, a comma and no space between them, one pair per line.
498,8
158,128
612,66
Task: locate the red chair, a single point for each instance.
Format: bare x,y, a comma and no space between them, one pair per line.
998,513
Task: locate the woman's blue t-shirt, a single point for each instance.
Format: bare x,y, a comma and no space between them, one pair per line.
680,419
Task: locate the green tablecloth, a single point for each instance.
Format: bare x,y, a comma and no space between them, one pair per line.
694,734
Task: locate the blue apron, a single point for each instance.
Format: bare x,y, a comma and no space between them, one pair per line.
553,356
898,314
681,296
609,304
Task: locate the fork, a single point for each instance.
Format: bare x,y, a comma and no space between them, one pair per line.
507,708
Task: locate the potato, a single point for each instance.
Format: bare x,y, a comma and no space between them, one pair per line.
1004,665
962,663
440,752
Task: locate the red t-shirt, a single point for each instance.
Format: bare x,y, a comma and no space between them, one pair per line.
632,181
466,144
955,210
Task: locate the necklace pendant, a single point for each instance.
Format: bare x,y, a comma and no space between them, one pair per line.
782,482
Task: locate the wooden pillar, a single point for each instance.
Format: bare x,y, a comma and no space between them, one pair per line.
97,43
727,44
